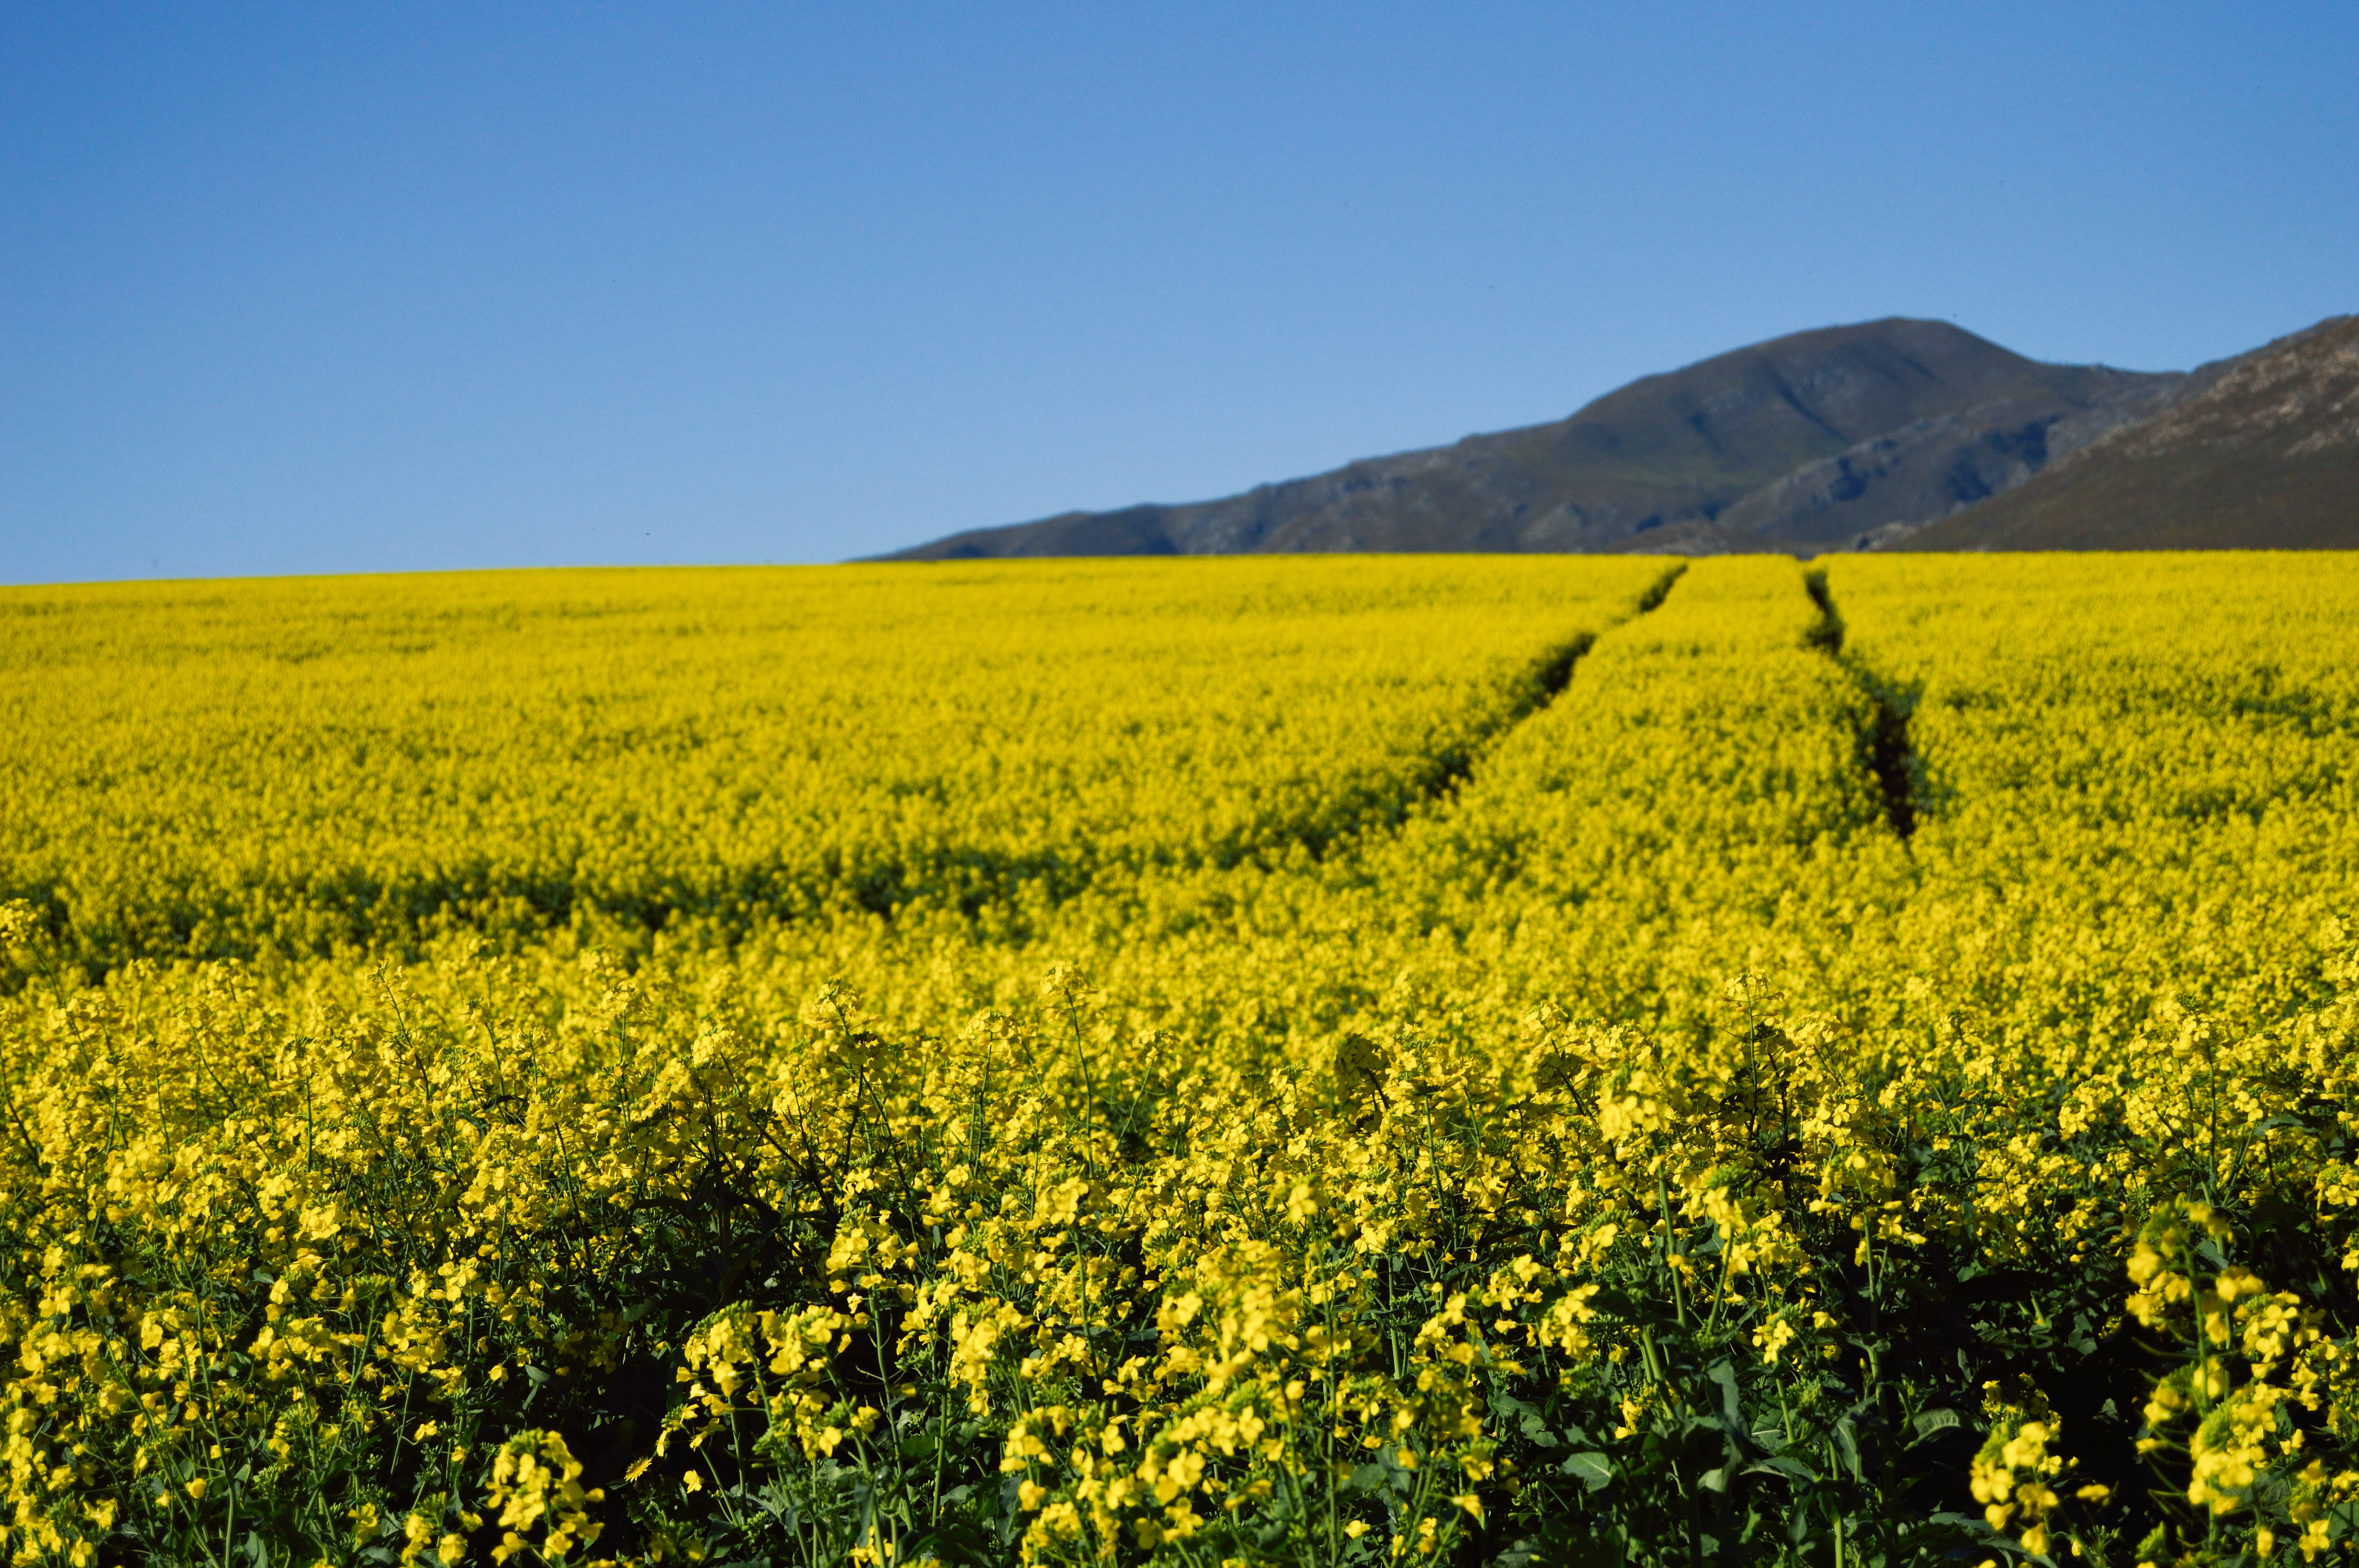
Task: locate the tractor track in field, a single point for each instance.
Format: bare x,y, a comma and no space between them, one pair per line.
1884,748
1549,679
372,911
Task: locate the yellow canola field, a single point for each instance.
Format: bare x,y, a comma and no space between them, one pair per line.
1419,1121
232,770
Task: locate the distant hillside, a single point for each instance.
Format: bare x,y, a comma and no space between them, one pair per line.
1829,439
2266,456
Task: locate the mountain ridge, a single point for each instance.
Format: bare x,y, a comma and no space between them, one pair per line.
1837,437
2260,452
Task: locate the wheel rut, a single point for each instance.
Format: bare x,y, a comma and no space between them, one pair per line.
1549,680
1884,747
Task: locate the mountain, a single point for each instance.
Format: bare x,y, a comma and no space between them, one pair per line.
2263,455
1830,439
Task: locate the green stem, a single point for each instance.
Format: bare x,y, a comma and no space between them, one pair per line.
1663,1199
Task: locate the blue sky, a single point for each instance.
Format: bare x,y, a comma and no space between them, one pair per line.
310,288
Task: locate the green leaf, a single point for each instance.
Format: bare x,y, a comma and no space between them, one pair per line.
1595,1470
1731,1408
1928,1423
1848,1446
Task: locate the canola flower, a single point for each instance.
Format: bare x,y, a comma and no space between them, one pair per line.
1368,1109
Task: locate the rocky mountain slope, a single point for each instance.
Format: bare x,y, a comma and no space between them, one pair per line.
2264,454
1837,438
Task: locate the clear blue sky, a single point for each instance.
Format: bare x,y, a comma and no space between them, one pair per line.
325,288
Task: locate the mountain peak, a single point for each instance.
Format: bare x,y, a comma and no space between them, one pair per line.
1824,438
